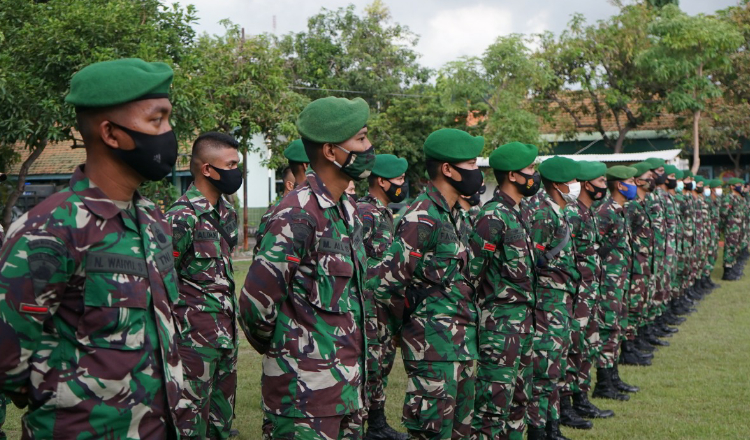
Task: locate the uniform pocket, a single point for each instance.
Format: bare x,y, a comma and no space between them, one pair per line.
114,311
204,263
423,413
330,291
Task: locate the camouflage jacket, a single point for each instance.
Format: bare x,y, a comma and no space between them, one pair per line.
207,306
654,205
377,227
302,305
502,266
584,232
642,237
615,251
423,280
263,224
86,294
548,229
731,212
670,221
685,214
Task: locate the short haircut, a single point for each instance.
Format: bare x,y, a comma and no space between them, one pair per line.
209,141
547,184
312,149
287,175
432,167
500,176
612,185
296,167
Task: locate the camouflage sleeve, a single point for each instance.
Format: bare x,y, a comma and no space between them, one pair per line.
542,232
368,231
288,235
394,273
182,223
36,267
485,239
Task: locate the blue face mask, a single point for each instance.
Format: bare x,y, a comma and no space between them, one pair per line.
680,186
631,192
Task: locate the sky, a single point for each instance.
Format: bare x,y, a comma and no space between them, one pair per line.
448,29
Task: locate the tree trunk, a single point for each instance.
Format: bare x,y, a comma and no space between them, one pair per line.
14,195
621,140
696,142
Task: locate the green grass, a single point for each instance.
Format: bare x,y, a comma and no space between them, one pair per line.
698,388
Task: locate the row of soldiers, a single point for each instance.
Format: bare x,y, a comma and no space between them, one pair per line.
118,321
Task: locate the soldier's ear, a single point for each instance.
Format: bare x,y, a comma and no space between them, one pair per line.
329,152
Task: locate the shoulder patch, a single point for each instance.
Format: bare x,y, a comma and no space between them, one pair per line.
495,227
513,235
48,244
42,267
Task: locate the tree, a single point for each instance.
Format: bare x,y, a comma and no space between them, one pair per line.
592,71
43,44
364,55
494,91
727,128
686,54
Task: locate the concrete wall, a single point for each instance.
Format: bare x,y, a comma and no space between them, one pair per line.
259,180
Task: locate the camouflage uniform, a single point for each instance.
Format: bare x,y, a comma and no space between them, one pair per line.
302,307
377,235
615,254
86,321
585,341
656,212
670,234
206,313
503,273
714,234
642,245
557,283
263,224
423,280
732,219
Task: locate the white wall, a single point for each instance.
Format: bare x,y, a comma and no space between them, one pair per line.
259,179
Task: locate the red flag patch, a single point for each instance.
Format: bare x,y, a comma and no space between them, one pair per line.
175,254
292,258
28,308
490,247
415,254
540,247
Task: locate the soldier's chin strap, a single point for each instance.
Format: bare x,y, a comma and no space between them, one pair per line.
555,251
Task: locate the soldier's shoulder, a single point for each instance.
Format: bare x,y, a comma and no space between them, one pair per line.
58,211
181,207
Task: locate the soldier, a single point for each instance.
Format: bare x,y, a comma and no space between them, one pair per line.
88,282
732,219
387,185
714,218
615,254
423,280
298,164
557,283
302,305
503,272
204,229
642,245
585,342
683,243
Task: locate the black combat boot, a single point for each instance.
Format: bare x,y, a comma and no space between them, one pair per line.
604,389
662,324
642,345
536,433
729,274
672,319
553,430
583,406
378,428
630,356
659,332
570,418
712,284
652,339
619,384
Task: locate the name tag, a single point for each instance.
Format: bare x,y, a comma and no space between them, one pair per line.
165,260
201,235
514,235
447,234
230,226
334,246
116,263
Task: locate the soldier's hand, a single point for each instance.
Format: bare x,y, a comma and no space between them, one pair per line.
20,399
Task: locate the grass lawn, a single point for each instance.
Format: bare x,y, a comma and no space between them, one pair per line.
698,388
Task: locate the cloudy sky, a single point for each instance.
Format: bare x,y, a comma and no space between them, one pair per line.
447,28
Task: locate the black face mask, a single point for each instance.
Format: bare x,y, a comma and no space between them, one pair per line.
396,193
661,178
474,199
230,180
689,186
598,193
471,181
651,184
671,183
154,155
532,184
699,189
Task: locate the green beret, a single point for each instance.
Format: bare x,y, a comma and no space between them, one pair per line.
333,119
118,82
736,181
295,152
452,146
678,174
642,168
559,169
389,166
620,172
590,170
670,169
714,183
699,179
513,156
688,174
655,162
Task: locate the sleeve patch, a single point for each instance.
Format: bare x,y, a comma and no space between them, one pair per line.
28,308
490,247
415,254
292,259
540,247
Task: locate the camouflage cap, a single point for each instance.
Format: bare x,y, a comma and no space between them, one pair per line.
643,167
513,156
295,152
452,145
590,170
620,172
655,162
559,169
333,119
389,166
116,82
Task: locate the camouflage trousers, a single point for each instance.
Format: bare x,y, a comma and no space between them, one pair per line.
504,377
209,390
612,309
4,401
439,402
636,303
732,247
584,344
381,356
343,427
551,344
